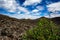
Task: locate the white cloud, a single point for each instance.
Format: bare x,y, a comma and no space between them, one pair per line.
24,16
30,2
52,15
27,15
54,7
23,9
40,7
35,12
12,6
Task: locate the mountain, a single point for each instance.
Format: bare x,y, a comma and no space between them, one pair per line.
56,20
13,29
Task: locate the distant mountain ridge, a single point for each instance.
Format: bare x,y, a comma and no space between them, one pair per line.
56,20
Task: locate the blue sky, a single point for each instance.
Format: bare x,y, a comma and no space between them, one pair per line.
30,9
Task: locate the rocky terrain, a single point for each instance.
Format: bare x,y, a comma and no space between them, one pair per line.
13,29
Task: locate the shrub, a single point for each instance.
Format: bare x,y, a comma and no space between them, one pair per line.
45,30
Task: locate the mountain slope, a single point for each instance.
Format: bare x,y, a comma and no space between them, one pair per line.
11,27
56,20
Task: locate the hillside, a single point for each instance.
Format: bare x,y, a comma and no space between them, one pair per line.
56,20
13,29
47,29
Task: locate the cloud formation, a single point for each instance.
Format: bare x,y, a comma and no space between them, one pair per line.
31,2
24,16
54,10
11,6
54,7
8,4
52,15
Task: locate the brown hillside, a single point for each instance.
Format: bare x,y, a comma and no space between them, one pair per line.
11,28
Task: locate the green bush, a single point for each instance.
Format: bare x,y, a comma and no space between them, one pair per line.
45,30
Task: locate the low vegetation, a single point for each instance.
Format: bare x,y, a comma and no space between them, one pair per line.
45,30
